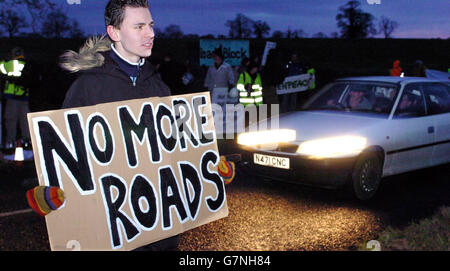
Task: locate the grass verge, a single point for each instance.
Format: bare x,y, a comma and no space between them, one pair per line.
431,234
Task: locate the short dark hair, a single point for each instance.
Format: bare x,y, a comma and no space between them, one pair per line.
218,52
115,10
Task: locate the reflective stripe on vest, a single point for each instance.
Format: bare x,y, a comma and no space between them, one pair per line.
13,68
255,95
2,68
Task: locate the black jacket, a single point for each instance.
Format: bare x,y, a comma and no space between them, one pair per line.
102,81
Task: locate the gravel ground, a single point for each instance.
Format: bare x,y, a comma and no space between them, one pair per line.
263,215
274,216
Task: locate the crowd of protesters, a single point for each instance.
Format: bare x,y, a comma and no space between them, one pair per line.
183,77
189,77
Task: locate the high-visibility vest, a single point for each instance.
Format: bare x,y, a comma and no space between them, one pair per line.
252,96
312,72
13,69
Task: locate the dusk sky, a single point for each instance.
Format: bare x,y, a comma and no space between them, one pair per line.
416,18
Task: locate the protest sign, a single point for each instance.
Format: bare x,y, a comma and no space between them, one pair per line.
233,51
269,45
296,83
133,172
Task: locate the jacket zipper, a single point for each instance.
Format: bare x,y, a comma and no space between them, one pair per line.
139,71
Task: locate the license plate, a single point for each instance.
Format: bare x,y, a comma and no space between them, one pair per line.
271,161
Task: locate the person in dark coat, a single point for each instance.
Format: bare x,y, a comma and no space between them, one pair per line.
419,69
289,101
171,74
273,74
115,68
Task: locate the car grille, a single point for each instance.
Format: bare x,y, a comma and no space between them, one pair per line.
280,147
287,147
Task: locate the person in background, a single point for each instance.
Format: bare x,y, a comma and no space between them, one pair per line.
396,70
243,67
356,100
171,74
256,59
273,74
405,103
288,102
17,73
311,71
419,69
220,74
249,86
303,96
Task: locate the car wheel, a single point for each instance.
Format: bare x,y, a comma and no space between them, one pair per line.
366,176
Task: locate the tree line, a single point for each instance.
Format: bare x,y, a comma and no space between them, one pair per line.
51,21
351,20
43,17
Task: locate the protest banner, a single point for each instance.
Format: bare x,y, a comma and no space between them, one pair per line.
233,51
133,172
296,83
435,74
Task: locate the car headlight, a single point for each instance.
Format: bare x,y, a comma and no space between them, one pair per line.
333,147
266,137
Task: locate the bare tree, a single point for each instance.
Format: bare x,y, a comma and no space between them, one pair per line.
260,29
240,27
387,26
334,35
277,34
191,36
299,33
290,34
58,25
319,35
294,34
11,22
37,10
353,22
75,30
208,36
173,31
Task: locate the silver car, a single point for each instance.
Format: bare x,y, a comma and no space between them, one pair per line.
354,132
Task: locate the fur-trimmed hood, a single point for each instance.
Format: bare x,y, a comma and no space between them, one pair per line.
89,55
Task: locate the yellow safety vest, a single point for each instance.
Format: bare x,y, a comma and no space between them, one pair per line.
255,95
13,69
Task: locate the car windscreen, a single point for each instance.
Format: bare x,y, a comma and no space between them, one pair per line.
355,96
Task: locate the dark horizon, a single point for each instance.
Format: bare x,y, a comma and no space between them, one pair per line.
417,18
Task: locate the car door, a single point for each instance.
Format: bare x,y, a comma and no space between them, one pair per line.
412,132
437,96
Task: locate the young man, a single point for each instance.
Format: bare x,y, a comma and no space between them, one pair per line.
356,100
115,69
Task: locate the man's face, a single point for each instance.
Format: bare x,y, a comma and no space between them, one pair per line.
217,59
356,94
405,102
134,39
